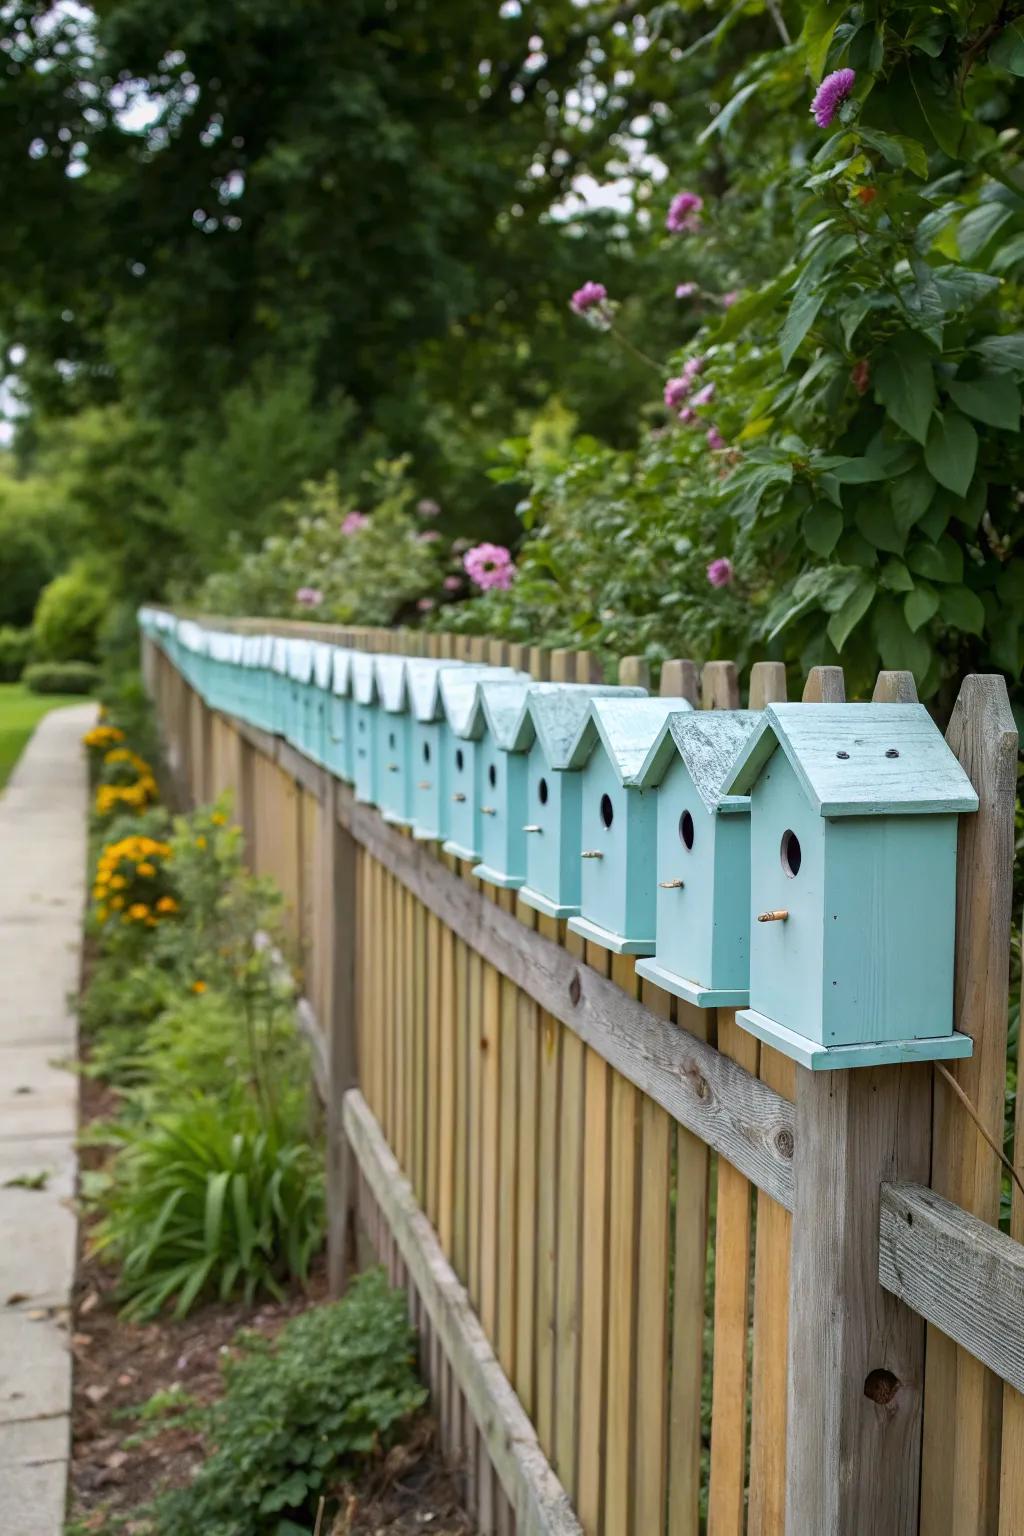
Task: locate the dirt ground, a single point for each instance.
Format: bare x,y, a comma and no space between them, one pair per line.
120,1458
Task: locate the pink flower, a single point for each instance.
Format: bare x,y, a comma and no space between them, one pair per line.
428,536
714,438
489,565
720,571
683,215
706,395
452,583
590,296
687,416
693,366
685,290
830,95
676,391
428,507
353,521
309,597
425,604
729,299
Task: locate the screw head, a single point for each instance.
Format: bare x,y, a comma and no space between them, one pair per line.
892,752
843,755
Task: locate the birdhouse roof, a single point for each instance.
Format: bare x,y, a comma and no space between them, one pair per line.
707,740
392,682
460,695
323,663
192,636
626,729
224,645
279,655
423,679
858,759
341,678
364,677
503,701
554,713
300,660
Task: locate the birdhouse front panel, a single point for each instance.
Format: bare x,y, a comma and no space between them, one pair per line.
428,769
462,773
502,816
552,833
618,833
364,728
338,751
393,757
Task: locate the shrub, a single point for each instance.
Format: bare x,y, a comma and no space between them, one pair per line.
61,677
70,611
200,1203
15,650
27,556
334,1386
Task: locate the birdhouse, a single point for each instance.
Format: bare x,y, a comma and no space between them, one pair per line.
394,734
428,757
192,653
464,746
548,725
338,750
263,682
363,717
318,695
618,823
702,924
300,672
223,650
502,785
853,833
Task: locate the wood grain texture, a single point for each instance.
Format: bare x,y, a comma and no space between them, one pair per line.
961,1274
541,1505
1011,1480
339,1023
623,1234
963,1400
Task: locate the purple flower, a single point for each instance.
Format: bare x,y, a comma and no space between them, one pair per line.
729,299
452,583
720,571
309,597
687,416
353,521
830,95
489,565
676,391
428,507
714,438
425,604
683,215
706,395
428,536
685,290
590,296
693,366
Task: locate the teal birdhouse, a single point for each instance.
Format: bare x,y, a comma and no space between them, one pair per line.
702,926
192,653
428,755
338,748
394,733
853,833
502,785
618,823
300,671
281,684
464,752
546,731
220,682
364,727
318,701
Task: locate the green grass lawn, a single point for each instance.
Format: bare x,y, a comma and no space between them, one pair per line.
20,711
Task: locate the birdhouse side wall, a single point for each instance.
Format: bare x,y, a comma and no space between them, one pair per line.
428,772
338,737
364,752
502,839
553,854
463,762
685,919
730,940
393,761
641,886
603,882
890,915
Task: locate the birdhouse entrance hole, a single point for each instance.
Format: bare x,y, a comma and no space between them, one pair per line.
607,810
542,791
686,830
790,854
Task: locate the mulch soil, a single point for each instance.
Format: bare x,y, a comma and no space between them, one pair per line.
120,1460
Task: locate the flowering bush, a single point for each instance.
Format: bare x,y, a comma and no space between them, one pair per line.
132,884
335,563
127,783
101,739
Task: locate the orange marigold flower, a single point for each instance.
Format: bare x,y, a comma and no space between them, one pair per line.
199,987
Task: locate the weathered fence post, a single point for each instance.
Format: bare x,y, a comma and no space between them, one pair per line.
856,1354
338,893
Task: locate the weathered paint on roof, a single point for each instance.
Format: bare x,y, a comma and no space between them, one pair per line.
341,679
554,713
859,759
364,677
300,660
502,700
323,663
423,678
707,740
391,682
626,728
460,695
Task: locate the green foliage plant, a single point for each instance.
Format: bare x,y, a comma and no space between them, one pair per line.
70,610
298,1415
61,677
15,650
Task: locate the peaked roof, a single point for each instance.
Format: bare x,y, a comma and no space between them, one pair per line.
554,713
503,700
364,677
423,678
460,695
323,663
859,759
300,660
627,729
341,679
707,740
391,682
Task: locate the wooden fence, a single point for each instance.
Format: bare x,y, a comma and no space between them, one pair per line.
666,1281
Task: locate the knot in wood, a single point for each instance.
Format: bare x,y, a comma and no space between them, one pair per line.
698,1082
784,1142
575,989
881,1386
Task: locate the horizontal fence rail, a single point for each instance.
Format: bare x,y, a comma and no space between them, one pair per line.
612,1209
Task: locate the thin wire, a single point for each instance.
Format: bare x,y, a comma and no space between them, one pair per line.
965,1101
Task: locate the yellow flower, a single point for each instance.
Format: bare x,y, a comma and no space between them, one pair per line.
200,842
146,870
117,903
219,819
102,914
118,882
167,904
199,987
139,911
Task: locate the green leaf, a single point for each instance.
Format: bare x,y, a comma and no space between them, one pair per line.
898,149
993,398
819,26
875,520
1008,255
887,460
802,314
720,123
937,562
939,106
978,227
1003,351
905,384
852,611
1007,52
952,451
902,649
895,577
911,495
919,606
821,527
963,609
961,288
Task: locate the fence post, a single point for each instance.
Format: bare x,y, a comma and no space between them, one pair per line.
856,1354
338,893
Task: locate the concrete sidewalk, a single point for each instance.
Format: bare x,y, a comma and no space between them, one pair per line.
42,892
